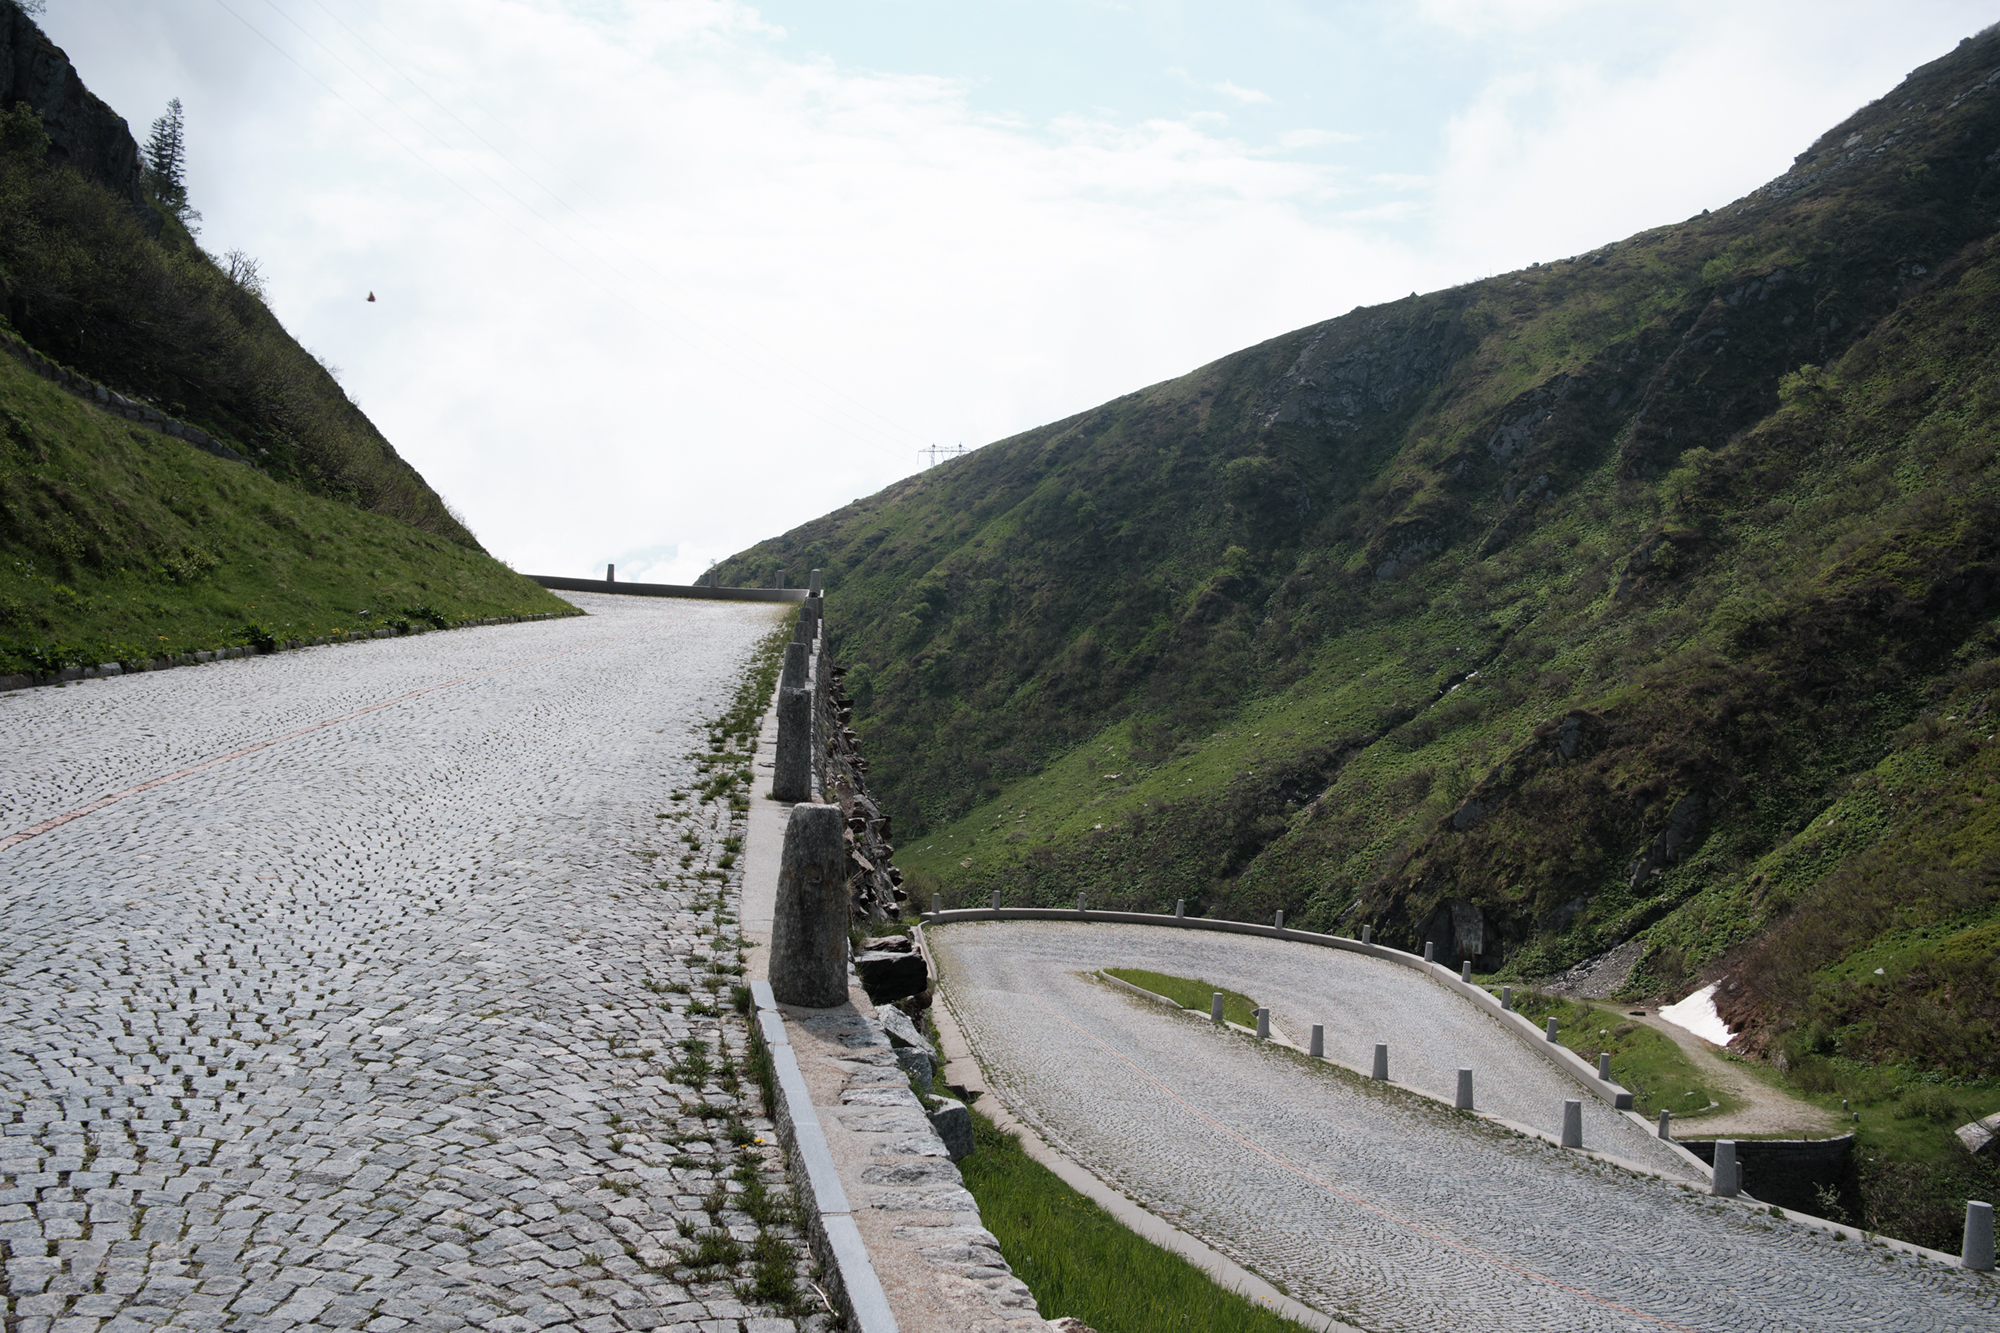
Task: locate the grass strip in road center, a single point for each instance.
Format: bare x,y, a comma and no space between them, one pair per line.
1189,993
1080,1261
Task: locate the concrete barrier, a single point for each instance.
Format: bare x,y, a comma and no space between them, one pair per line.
556,583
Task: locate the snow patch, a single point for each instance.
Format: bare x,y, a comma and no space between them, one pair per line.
1697,1014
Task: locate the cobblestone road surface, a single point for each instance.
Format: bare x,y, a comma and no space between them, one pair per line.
368,1028
1366,1202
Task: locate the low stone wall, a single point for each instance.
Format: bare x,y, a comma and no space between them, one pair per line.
117,404
1790,1172
556,583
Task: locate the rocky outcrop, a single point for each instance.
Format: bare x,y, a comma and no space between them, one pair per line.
83,132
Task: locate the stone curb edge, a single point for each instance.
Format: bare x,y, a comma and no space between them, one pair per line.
1531,1036
853,1285
107,670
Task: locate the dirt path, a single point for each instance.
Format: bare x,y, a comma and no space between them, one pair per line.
1765,1109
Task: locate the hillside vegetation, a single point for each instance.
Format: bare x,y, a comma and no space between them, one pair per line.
118,543
1646,593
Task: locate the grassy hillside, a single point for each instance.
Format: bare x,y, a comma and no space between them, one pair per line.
1648,592
118,543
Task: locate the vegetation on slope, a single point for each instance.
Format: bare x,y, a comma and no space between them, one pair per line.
1571,597
121,544
162,321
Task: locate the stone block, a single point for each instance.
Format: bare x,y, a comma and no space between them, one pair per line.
890,976
1316,1044
901,1029
1464,1099
953,1124
1727,1181
1381,1069
1572,1124
809,925
1977,1253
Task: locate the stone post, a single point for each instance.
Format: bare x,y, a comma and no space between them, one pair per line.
1215,1007
1263,1025
1666,1124
1464,1101
1552,1027
1368,934
1978,1251
1180,909
996,900
792,764
1381,1069
794,675
1507,997
1727,1181
1604,1065
1429,950
611,573
1316,1047
812,584
809,926
1079,904
1465,970
1278,921
1572,1124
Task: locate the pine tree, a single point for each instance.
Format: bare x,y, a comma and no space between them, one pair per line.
166,165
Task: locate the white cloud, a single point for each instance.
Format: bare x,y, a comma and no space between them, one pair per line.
754,286
1228,89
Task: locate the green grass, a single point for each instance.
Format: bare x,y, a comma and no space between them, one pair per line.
1657,1071
1081,1262
1189,993
120,544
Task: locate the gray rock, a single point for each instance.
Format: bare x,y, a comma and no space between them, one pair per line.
953,1124
902,1031
919,1066
892,976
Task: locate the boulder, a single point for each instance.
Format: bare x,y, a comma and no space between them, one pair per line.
902,1031
954,1125
891,976
889,944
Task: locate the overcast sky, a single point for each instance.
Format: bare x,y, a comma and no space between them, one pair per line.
657,279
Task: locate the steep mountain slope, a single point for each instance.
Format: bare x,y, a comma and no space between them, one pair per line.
1524,617
121,543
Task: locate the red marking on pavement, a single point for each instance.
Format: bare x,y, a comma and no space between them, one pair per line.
1356,1200
57,821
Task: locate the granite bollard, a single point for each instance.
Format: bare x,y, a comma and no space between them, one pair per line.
793,677
1572,1124
1381,1069
812,584
1430,952
809,926
1977,1252
1215,1008
1263,1025
1278,921
1604,1065
1368,934
1507,997
1666,1123
1079,904
1180,909
1728,1178
1464,1099
1552,1028
1316,1046
792,765
1465,970
996,900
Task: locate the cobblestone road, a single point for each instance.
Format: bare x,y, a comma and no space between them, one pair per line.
1364,1201
369,1028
